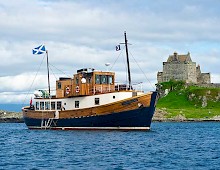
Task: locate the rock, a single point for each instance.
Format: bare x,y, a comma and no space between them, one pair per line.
10,117
204,101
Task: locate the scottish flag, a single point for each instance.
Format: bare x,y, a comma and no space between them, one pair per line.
39,50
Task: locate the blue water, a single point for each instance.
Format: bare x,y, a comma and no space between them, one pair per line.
12,107
166,146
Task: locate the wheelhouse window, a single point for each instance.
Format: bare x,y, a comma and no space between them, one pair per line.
110,79
59,85
59,104
103,79
53,105
76,104
41,105
96,101
89,80
77,80
37,105
47,105
97,79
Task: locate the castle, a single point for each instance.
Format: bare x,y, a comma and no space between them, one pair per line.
181,67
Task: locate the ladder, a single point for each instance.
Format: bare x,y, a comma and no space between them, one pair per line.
46,124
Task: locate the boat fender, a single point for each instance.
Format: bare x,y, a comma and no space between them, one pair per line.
77,89
140,105
67,90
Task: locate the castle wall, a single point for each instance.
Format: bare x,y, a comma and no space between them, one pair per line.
204,78
160,77
191,72
181,67
179,71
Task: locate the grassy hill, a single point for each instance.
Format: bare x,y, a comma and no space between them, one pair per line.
190,102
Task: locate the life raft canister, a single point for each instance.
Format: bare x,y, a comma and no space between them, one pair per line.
77,89
67,90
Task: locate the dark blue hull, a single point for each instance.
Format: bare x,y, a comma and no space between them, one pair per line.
138,119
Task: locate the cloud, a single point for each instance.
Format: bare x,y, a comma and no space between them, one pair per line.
81,34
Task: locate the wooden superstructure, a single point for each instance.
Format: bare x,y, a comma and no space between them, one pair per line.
86,82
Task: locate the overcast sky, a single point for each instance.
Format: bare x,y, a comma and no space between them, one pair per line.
84,33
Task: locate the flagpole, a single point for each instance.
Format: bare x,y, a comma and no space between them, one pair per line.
128,65
48,73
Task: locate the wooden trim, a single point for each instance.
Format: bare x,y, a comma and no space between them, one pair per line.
119,106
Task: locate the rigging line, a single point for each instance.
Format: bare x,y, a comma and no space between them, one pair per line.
142,70
117,59
126,68
33,80
61,71
52,72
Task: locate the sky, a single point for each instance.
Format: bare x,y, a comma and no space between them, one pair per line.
83,34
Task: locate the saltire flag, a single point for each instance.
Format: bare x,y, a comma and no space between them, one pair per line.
39,50
118,48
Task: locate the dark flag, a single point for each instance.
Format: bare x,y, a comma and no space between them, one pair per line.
118,48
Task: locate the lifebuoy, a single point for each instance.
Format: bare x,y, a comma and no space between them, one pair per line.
77,89
67,90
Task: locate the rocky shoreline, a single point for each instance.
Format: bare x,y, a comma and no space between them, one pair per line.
159,116
10,117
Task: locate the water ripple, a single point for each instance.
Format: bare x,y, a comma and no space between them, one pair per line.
166,146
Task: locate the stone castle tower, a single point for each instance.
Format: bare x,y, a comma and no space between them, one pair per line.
181,67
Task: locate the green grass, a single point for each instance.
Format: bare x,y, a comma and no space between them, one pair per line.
177,102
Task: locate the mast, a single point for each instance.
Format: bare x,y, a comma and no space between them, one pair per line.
128,64
48,73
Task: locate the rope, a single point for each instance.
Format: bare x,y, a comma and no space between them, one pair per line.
141,70
117,59
33,81
60,71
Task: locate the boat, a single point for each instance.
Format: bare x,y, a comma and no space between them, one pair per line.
91,100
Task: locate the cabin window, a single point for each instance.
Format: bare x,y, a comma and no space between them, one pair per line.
59,104
97,79
103,79
47,105
110,79
37,105
41,105
89,80
76,104
96,101
59,85
52,105
77,80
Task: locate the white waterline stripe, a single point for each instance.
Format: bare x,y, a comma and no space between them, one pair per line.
91,128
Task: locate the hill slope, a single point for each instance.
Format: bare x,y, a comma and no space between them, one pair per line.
189,102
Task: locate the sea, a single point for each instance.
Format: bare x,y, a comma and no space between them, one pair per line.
12,107
168,145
